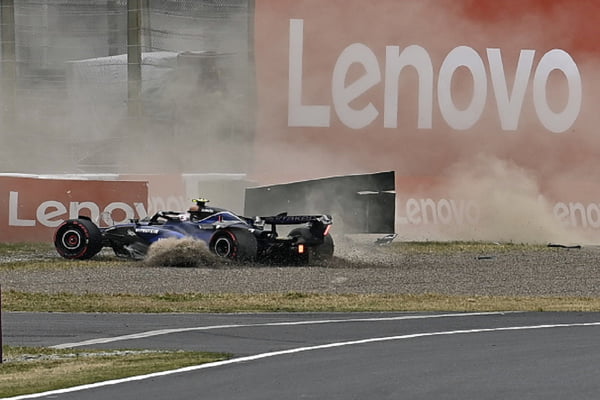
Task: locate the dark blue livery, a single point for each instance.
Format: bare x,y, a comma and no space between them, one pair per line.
226,234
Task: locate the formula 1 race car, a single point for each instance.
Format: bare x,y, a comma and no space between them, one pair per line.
226,234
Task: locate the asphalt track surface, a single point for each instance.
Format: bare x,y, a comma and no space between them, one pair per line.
337,356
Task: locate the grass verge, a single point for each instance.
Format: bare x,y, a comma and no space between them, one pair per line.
32,370
286,302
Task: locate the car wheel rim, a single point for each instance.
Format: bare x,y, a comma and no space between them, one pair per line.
223,247
71,239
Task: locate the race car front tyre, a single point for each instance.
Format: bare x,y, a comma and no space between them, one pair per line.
235,244
318,253
78,239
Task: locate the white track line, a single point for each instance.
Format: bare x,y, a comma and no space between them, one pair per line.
293,351
142,335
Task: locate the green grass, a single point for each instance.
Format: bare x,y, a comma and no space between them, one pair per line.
459,246
286,302
23,248
33,370
43,255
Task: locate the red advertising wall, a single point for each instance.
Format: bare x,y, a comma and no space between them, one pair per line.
492,104
31,208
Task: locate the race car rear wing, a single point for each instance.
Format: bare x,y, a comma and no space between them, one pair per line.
319,225
284,219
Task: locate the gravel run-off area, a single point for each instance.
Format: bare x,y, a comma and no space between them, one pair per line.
356,269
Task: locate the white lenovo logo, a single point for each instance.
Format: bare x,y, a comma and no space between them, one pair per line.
509,103
52,213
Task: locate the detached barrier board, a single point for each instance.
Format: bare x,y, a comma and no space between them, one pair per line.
32,208
362,203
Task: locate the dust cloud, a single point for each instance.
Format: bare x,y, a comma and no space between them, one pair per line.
184,253
510,206
67,109
532,185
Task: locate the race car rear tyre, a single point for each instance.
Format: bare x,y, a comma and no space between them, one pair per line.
78,239
319,253
235,244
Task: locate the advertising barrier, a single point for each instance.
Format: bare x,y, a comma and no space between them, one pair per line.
31,208
491,105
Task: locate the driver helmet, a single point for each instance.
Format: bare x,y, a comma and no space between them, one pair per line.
195,210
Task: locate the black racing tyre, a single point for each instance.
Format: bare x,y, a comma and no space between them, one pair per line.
324,251
235,244
78,239
320,253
